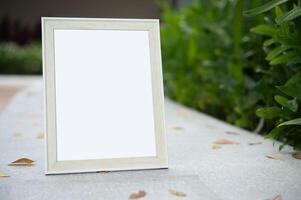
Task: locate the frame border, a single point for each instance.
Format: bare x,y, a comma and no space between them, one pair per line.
52,166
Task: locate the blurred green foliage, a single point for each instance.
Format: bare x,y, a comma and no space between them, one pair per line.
213,62
15,59
283,48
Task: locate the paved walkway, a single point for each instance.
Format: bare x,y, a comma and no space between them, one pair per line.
196,167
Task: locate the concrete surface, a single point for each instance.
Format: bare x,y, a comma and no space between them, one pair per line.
231,172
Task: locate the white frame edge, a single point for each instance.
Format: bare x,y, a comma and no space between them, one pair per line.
52,166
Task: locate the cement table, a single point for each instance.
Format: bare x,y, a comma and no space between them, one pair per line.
196,168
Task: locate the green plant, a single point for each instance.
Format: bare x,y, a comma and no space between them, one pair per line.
283,47
213,62
15,59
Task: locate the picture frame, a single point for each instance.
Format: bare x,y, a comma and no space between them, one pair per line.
104,101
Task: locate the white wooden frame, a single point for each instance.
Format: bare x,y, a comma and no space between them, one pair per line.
53,166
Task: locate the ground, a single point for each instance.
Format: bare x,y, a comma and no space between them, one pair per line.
197,168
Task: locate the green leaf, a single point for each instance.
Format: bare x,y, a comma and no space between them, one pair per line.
266,7
242,122
270,112
275,133
268,42
278,11
291,122
237,27
283,30
264,29
284,58
290,104
275,52
293,90
292,14
294,79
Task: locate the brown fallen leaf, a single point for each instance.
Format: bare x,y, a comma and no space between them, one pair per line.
216,146
40,135
278,197
3,175
18,120
275,157
17,135
296,155
137,195
224,142
31,114
175,127
183,112
211,127
254,143
22,161
232,133
7,93
177,193
103,172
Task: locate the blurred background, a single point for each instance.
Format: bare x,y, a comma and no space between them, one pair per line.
20,26
236,60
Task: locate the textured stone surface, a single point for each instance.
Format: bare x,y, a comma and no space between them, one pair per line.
231,172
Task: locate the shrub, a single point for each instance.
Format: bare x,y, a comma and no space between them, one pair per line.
15,59
213,62
283,47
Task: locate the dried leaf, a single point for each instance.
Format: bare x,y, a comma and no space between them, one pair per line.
31,114
17,135
183,112
3,175
40,135
33,124
275,157
297,155
232,133
177,193
138,195
224,142
22,161
254,143
175,127
103,172
7,93
216,146
18,120
278,197
211,127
